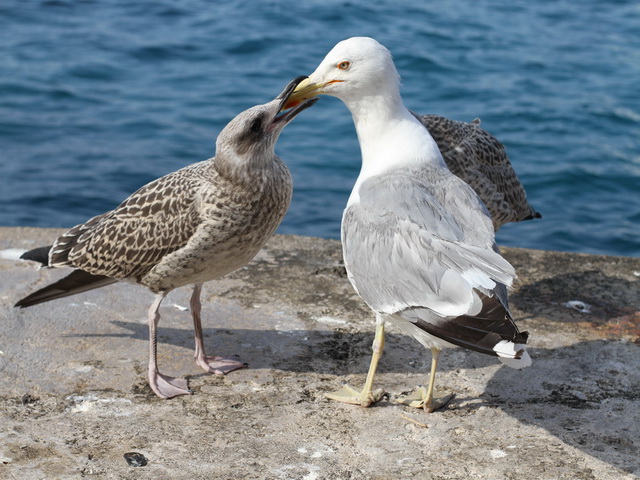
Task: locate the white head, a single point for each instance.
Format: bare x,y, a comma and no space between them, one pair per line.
360,72
355,68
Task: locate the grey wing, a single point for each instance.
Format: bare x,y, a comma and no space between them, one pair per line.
127,242
405,247
479,159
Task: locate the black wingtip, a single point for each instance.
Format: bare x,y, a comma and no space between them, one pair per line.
40,254
76,282
480,332
533,216
521,337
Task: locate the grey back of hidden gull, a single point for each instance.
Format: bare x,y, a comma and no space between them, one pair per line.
188,227
418,241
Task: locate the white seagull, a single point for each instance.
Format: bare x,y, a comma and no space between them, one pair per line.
418,242
188,227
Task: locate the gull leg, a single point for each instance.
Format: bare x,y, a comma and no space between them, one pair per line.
367,395
163,385
217,365
426,398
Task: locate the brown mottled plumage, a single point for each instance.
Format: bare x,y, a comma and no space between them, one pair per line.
478,158
187,227
194,225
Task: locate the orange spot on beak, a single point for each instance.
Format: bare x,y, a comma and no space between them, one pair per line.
291,104
304,92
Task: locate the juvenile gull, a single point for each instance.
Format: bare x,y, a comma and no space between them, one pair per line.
191,226
418,243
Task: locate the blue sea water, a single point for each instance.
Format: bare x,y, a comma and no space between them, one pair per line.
99,97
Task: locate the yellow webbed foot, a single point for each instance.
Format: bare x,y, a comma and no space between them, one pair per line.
350,395
419,398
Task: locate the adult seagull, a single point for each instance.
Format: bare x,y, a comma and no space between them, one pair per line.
188,227
418,242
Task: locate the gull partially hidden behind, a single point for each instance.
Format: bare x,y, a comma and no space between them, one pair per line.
418,242
478,158
188,227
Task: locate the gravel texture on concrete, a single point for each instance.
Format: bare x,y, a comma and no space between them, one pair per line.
74,399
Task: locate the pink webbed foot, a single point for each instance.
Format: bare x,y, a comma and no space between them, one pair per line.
220,365
168,387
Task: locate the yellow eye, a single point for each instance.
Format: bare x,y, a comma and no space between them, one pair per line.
343,65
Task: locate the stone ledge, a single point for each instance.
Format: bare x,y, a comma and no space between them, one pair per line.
74,398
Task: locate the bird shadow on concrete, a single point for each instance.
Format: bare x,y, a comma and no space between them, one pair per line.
296,351
583,296
346,350
586,394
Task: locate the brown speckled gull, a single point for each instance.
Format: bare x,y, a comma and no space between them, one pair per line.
188,227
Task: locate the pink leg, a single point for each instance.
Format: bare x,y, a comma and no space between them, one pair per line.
163,385
217,365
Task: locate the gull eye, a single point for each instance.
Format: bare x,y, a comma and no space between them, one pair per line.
343,65
256,126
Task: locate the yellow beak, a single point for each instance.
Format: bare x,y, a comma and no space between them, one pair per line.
305,90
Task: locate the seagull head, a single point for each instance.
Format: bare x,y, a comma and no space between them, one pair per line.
355,68
254,132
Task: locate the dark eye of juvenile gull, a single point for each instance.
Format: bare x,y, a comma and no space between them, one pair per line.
256,125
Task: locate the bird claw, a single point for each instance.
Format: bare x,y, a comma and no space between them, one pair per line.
348,394
220,365
418,399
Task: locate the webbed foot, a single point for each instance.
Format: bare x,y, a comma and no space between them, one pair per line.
168,387
348,394
220,365
419,399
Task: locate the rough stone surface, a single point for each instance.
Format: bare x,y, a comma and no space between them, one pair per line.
74,397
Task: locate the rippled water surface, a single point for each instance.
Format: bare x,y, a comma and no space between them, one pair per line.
98,98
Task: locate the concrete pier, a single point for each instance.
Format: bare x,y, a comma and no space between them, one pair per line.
74,396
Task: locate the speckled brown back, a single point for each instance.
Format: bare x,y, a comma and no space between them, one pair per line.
479,159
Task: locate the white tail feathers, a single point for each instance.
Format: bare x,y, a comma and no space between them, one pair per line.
512,354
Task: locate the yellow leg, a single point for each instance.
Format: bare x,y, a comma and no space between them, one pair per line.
426,398
366,396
